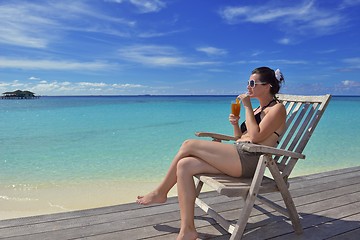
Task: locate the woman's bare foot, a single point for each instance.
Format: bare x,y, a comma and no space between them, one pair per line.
189,235
151,198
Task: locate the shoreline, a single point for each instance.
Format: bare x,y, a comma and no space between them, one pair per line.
57,199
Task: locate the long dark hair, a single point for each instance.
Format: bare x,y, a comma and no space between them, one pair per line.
268,75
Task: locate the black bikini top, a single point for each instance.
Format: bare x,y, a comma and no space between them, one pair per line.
258,118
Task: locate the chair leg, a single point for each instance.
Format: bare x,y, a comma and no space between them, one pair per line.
209,210
290,205
198,186
250,198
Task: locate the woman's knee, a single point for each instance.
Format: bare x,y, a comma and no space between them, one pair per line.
188,143
184,167
188,146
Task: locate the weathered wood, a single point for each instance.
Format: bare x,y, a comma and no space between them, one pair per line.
328,202
292,98
271,150
250,198
283,188
215,136
353,234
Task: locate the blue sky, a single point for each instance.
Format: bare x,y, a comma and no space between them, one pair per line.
121,47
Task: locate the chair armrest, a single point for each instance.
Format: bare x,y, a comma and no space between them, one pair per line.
250,147
216,136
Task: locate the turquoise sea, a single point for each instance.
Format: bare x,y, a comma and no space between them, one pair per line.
131,139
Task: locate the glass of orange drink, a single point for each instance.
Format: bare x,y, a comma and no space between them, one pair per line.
235,107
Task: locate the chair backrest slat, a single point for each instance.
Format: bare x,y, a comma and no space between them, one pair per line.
291,112
298,144
304,119
306,127
293,133
289,106
303,115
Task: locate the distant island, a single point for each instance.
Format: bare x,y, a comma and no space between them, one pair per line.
18,94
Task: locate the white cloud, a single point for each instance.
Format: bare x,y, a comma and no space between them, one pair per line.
353,62
305,18
347,3
274,61
285,41
28,30
36,25
266,13
327,51
348,87
286,61
160,56
152,34
256,53
4,85
91,84
211,51
144,6
127,85
52,64
232,14
349,83
151,55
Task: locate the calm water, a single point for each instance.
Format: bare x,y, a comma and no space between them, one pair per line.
60,139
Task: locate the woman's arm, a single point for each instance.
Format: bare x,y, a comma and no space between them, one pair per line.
235,122
272,121
275,116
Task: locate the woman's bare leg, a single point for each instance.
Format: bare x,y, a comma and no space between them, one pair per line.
186,169
159,195
221,156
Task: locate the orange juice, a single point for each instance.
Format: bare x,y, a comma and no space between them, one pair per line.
235,108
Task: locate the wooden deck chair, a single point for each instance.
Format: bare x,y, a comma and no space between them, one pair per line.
303,114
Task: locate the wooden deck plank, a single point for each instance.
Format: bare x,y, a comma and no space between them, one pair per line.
342,208
353,234
328,202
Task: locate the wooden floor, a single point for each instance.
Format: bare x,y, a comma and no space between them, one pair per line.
329,204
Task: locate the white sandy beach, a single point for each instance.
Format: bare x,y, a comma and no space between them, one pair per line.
15,203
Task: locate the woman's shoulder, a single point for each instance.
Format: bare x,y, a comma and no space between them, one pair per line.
277,106
278,109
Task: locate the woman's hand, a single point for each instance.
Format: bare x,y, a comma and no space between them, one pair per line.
234,120
245,99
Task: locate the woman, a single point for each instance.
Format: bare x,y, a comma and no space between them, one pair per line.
262,126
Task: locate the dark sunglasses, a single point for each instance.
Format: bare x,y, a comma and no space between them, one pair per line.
252,83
